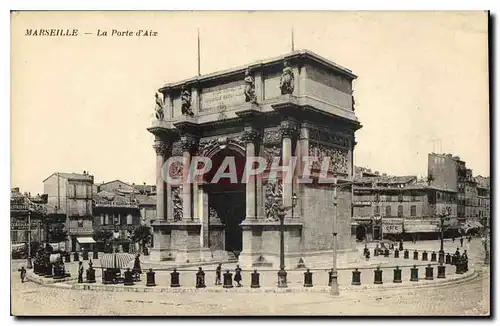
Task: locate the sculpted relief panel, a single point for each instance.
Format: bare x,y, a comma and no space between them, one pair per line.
339,158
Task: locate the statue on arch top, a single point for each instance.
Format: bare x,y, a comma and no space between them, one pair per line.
250,87
286,80
186,103
159,108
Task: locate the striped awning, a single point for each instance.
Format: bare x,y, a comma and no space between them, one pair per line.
85,240
117,260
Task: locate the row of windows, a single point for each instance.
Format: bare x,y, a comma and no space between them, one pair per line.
115,219
388,210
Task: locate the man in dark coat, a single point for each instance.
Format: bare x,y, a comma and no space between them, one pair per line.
80,272
461,241
22,271
237,275
456,257
218,275
465,260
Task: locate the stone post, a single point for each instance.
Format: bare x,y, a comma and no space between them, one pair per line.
160,148
250,136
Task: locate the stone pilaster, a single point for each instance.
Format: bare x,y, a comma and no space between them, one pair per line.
188,143
160,147
288,131
250,136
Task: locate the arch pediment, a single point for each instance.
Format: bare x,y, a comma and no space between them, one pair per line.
210,148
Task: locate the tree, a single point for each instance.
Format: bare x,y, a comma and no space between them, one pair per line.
104,237
142,235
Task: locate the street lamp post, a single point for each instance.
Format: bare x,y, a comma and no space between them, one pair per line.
486,241
334,287
282,283
29,265
442,216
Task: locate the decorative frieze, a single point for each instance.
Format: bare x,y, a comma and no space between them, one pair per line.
177,203
208,147
328,137
272,136
339,158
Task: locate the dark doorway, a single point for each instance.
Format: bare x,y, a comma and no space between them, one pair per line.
228,198
360,232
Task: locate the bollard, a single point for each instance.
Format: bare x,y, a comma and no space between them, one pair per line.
67,257
356,277
377,276
90,275
255,279
228,280
424,256
48,270
397,275
150,278
406,254
375,252
386,253
200,279
330,274
85,255
174,279
415,255
433,256
448,259
128,278
76,257
95,255
396,253
429,273
308,279
414,274
441,271
459,266
106,279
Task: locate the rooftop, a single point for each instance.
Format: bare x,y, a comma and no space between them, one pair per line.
73,176
300,54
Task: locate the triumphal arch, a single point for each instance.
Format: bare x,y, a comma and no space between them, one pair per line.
296,105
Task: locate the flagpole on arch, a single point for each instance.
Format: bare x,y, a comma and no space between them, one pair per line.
199,74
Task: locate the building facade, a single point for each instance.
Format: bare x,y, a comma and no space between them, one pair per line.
400,207
28,218
115,216
296,105
71,194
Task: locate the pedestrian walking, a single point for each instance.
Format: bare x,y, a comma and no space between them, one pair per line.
453,239
80,272
461,241
237,276
465,260
218,275
22,271
470,238
456,257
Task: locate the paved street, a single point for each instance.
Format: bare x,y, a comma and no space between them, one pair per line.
470,298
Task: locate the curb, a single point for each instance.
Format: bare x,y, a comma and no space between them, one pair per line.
318,289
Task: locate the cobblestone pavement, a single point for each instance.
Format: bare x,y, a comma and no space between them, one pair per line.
469,298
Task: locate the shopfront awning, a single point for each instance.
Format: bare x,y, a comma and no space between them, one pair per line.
85,240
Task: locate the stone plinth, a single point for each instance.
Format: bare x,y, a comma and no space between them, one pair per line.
178,241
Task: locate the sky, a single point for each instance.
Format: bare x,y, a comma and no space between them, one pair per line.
84,103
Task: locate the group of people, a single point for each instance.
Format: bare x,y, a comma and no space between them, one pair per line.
237,275
461,258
